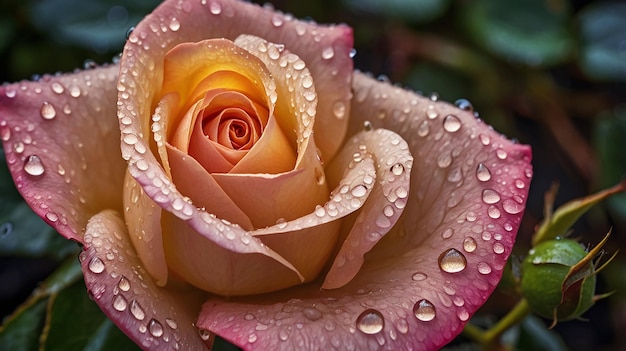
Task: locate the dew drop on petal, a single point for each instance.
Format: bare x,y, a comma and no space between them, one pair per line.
123,284
137,311
120,303
359,191
512,207
155,328
215,8
204,334
33,166
397,169
469,244
464,104
451,123
48,111
498,248
484,268
57,88
419,276
452,261
483,173
96,265
174,24
339,109
370,322
328,53
312,314
490,196
424,310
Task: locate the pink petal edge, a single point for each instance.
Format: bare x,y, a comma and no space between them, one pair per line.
155,318
61,141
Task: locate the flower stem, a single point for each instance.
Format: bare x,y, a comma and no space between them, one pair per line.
488,338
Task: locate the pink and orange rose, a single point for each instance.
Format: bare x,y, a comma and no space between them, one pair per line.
263,191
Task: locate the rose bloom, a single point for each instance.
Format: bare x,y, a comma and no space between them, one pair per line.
262,190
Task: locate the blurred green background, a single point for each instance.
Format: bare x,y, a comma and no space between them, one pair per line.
549,73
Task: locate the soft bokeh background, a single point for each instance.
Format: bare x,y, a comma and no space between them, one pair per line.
550,73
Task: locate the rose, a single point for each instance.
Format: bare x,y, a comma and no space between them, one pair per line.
459,213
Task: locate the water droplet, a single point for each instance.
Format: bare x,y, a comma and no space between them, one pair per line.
463,315
155,328
469,244
423,129
419,276
452,261
74,91
483,173
204,334
137,311
484,268
129,32
328,53
424,310
96,265
57,88
252,338
493,212
397,169
120,303
359,191
501,154
215,8
447,234
174,24
444,160
370,322
277,21
10,93
512,207
464,104
123,284
490,196
451,123
312,314
339,109
47,111
352,52
34,166
485,139
434,97
498,248
519,184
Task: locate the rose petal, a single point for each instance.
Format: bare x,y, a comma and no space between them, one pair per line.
155,318
61,141
325,49
425,279
382,209
143,220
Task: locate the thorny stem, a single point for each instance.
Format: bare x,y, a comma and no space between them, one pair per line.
489,338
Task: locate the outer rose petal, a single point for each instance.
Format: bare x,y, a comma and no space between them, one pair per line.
425,279
61,140
155,318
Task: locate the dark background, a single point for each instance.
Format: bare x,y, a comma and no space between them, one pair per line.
548,73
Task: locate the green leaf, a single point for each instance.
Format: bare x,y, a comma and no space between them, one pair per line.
603,32
558,222
20,332
530,32
76,323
